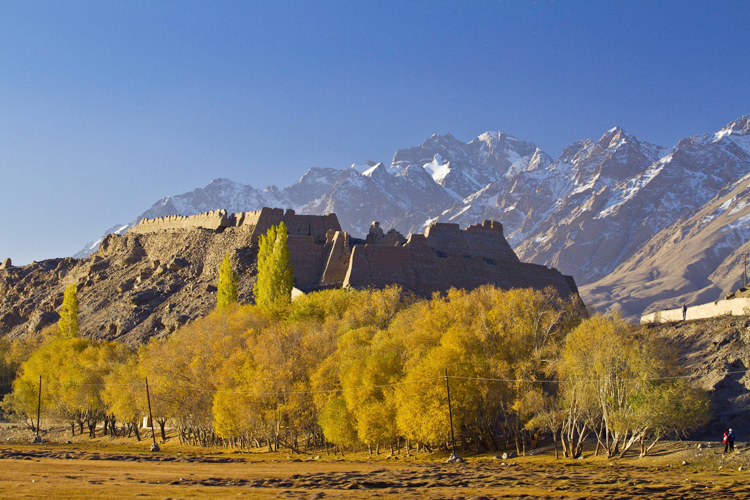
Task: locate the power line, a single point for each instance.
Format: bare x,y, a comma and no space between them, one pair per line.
194,388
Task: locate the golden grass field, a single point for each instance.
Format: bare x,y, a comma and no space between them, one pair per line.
120,468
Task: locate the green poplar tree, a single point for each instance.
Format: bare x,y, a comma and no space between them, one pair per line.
68,323
226,289
273,287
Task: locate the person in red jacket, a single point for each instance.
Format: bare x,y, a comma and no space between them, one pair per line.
725,439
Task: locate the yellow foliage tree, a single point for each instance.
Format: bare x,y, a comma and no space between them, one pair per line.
68,322
273,286
73,372
226,289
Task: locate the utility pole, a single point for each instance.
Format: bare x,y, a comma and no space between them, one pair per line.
454,457
744,274
37,438
154,447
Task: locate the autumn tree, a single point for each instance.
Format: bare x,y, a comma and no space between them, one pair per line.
73,372
68,322
186,369
620,383
124,395
226,289
273,286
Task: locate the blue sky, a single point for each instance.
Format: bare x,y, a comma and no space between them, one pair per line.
106,107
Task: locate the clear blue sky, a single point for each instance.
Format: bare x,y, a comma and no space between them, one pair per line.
106,107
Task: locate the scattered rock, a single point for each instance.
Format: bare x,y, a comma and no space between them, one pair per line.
177,264
41,320
144,296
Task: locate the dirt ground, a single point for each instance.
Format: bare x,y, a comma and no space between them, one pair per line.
82,468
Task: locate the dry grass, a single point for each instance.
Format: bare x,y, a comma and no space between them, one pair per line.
120,468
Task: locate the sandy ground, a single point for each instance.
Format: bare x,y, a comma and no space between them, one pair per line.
121,468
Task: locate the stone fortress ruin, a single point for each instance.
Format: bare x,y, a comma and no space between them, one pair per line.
324,256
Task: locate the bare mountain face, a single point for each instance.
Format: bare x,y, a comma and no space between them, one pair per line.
587,213
696,260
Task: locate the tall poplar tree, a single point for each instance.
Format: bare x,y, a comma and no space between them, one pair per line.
68,323
273,288
226,289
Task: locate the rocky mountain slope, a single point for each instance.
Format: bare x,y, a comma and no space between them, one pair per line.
133,288
586,213
715,354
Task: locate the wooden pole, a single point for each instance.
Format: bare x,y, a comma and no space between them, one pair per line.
154,447
450,413
39,406
744,257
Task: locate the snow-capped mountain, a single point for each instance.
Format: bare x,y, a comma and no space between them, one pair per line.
696,260
589,212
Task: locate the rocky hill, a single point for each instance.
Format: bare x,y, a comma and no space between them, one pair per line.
134,287
716,353
603,205
161,273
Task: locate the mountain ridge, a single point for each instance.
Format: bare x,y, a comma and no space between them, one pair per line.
586,213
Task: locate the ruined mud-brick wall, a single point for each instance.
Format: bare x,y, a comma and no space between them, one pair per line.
163,273
308,244
315,226
485,240
214,220
447,257
337,257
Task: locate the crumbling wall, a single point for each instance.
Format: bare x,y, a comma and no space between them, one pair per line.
214,220
447,257
337,259
444,257
485,240
378,265
307,260
315,226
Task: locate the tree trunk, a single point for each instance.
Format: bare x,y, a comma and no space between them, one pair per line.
656,440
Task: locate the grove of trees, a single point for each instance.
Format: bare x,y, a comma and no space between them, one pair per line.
343,368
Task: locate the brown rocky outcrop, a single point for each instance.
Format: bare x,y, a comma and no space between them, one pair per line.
162,273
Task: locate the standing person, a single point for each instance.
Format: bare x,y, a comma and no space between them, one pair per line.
725,439
730,440
684,311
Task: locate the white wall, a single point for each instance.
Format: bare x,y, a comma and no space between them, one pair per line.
731,307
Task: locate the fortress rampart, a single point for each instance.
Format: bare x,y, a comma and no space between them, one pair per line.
323,255
214,220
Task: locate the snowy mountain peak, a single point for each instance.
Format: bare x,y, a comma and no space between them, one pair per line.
614,137
376,171
738,127
362,168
